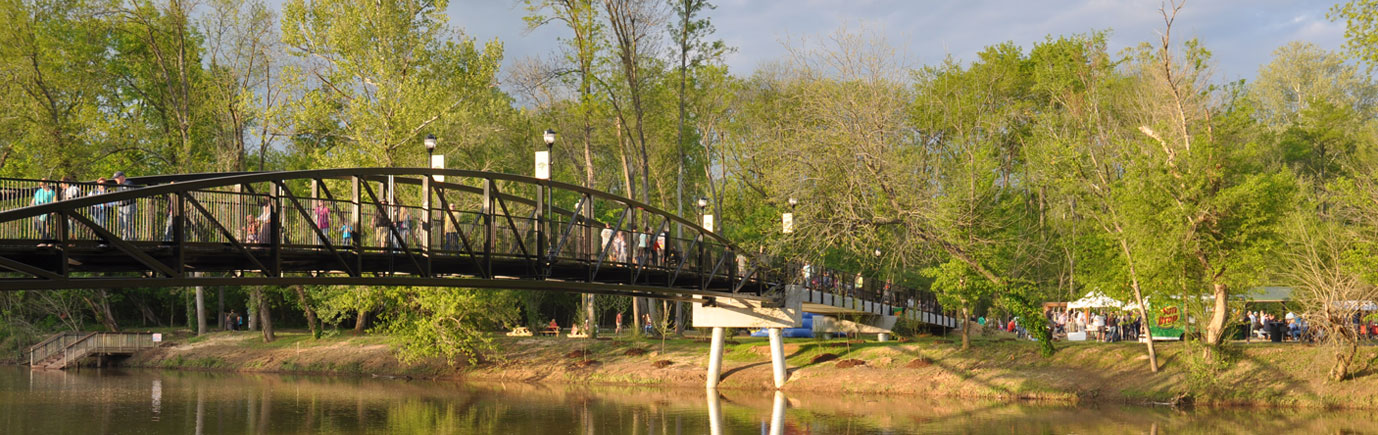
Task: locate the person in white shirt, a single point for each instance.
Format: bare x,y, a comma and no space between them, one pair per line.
606,234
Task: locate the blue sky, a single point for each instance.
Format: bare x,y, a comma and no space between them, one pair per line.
1242,34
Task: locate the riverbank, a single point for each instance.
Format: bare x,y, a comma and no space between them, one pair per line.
1260,374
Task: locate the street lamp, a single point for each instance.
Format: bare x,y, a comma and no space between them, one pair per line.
543,156
703,210
787,219
436,161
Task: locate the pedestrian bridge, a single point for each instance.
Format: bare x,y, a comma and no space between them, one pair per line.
399,227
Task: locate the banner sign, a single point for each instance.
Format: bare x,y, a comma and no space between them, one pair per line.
1168,316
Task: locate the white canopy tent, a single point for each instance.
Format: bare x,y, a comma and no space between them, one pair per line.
1096,299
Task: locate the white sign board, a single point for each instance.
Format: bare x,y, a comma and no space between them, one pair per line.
708,222
788,221
157,337
438,162
543,165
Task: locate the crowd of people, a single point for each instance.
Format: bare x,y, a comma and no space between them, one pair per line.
650,247
1103,326
68,189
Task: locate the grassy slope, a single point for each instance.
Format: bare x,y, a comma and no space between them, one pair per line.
1260,374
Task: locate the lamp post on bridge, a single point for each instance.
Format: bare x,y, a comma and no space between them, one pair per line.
707,223
542,202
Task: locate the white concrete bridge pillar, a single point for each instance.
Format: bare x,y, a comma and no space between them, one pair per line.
777,356
727,312
715,359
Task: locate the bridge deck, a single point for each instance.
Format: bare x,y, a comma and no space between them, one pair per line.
408,227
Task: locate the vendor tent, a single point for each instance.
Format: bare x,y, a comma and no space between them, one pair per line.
1096,299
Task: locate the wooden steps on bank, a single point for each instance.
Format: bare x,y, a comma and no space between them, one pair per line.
66,349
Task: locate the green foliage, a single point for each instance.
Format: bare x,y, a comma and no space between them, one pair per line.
1030,314
447,323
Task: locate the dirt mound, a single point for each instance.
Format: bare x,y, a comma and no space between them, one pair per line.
849,363
823,358
635,351
662,363
919,363
581,364
577,354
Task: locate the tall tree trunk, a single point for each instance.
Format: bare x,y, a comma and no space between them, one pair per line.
220,316
679,319
265,317
306,307
636,316
1215,330
200,310
966,328
1139,300
100,307
146,311
360,322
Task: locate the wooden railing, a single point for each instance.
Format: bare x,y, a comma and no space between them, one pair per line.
65,348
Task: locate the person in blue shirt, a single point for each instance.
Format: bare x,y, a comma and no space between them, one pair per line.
43,195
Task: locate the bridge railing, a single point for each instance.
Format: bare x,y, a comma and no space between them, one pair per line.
401,212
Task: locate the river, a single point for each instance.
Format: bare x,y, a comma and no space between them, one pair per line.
114,401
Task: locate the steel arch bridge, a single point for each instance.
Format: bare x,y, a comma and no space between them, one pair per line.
385,226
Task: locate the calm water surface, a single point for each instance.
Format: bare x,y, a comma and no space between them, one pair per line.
175,402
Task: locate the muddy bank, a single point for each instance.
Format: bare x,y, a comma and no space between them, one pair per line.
1258,374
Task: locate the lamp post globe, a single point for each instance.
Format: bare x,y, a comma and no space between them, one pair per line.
429,141
549,137
703,203
793,202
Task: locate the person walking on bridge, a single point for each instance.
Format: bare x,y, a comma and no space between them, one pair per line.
381,223
43,195
127,208
322,221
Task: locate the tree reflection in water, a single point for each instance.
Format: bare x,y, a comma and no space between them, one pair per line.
195,402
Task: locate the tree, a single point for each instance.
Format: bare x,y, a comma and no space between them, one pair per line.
1089,163
1206,200
632,24
1361,29
1328,286
53,64
447,323
384,73
243,48
690,32
581,17
1301,73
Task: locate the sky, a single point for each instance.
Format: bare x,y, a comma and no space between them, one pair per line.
1241,34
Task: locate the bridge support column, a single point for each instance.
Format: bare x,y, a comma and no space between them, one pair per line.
715,359
777,356
728,312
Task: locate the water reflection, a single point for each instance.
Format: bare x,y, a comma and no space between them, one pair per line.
212,403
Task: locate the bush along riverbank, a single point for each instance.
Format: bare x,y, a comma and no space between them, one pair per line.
1257,374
